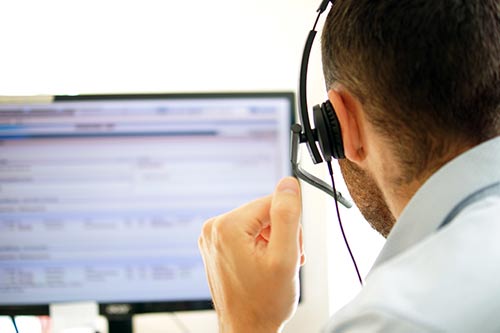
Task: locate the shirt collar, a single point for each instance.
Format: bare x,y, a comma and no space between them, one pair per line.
470,172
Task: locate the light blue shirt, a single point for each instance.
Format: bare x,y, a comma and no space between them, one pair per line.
432,279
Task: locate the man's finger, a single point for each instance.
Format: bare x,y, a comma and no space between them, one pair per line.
253,216
301,243
285,217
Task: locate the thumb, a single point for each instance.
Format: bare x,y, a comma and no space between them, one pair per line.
285,215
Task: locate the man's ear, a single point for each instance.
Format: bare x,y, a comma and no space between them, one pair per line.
348,112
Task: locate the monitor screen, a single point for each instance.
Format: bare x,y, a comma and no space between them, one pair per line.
102,198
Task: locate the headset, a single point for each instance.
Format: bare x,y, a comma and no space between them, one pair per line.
327,134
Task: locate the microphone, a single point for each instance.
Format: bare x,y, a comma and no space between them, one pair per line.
296,138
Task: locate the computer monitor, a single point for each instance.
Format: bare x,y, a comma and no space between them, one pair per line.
102,198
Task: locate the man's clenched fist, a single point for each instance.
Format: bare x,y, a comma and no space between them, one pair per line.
252,257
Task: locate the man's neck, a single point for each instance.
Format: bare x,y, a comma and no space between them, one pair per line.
399,194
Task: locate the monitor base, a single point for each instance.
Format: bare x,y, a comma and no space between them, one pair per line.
120,324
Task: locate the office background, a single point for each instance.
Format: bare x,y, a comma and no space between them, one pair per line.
76,47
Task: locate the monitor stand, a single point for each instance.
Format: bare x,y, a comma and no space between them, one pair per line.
120,324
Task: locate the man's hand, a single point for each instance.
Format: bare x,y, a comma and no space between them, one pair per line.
252,257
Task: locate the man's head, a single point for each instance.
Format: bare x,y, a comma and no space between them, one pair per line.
426,75
426,72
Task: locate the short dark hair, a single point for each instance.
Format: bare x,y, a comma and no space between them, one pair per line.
427,71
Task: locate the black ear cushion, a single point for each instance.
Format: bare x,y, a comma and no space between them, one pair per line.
334,130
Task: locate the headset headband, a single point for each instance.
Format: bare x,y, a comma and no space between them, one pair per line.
309,136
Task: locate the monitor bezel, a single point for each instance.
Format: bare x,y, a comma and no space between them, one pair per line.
133,308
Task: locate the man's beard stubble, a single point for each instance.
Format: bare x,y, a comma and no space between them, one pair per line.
368,197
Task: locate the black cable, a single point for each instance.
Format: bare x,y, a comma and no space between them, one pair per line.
330,170
14,323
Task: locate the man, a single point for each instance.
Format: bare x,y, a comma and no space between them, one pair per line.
416,88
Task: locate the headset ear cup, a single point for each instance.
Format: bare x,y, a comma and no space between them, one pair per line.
329,132
336,131
323,133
